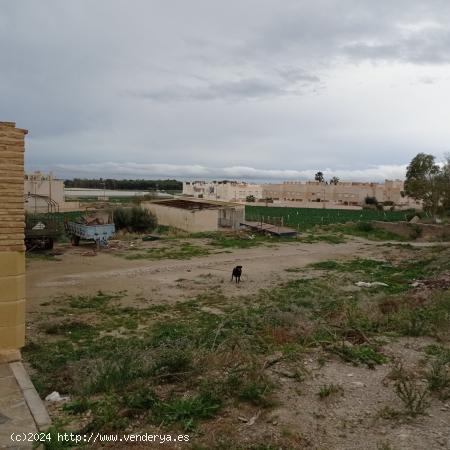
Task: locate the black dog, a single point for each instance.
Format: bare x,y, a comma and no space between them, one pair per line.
237,272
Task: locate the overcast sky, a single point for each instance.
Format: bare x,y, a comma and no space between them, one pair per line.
254,89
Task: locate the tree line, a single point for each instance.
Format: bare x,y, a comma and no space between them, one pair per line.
110,183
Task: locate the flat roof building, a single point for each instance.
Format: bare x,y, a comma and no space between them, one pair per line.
196,216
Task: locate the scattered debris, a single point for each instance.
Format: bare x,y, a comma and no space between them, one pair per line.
55,397
441,283
273,359
372,284
151,237
253,419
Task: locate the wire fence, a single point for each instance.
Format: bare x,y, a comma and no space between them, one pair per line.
309,217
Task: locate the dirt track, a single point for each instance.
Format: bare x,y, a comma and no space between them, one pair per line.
157,280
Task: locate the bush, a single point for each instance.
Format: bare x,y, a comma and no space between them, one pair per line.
135,219
371,201
364,226
142,219
122,218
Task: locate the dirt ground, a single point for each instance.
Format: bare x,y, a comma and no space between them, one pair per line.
78,272
344,422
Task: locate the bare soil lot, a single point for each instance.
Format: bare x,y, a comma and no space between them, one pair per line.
153,337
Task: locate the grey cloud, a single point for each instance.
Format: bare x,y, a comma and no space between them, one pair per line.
428,48
250,88
260,83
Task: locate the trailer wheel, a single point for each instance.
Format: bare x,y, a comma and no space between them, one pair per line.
49,244
75,240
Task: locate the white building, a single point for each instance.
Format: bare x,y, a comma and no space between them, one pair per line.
229,191
43,193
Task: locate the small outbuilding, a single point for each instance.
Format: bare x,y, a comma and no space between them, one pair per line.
196,216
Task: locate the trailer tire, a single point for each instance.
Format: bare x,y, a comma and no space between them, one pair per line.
49,244
75,240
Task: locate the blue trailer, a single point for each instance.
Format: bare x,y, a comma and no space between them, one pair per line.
97,233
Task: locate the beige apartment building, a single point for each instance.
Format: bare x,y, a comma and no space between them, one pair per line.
345,194
228,191
342,194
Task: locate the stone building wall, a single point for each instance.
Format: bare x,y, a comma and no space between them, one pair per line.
12,251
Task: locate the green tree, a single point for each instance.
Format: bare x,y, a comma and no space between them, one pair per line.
319,177
424,181
445,185
334,180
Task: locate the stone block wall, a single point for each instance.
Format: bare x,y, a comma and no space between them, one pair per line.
12,250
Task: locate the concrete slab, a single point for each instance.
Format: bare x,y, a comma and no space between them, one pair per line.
15,417
21,409
34,402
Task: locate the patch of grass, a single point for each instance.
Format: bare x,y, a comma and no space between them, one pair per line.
439,351
368,231
74,329
115,372
187,411
97,301
78,406
327,265
329,238
184,251
53,443
107,416
144,398
255,392
249,385
40,256
240,240
398,277
360,354
429,319
438,378
171,335
328,390
172,365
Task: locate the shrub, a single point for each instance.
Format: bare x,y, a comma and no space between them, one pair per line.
328,390
370,200
135,219
122,218
364,226
438,378
415,399
142,219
